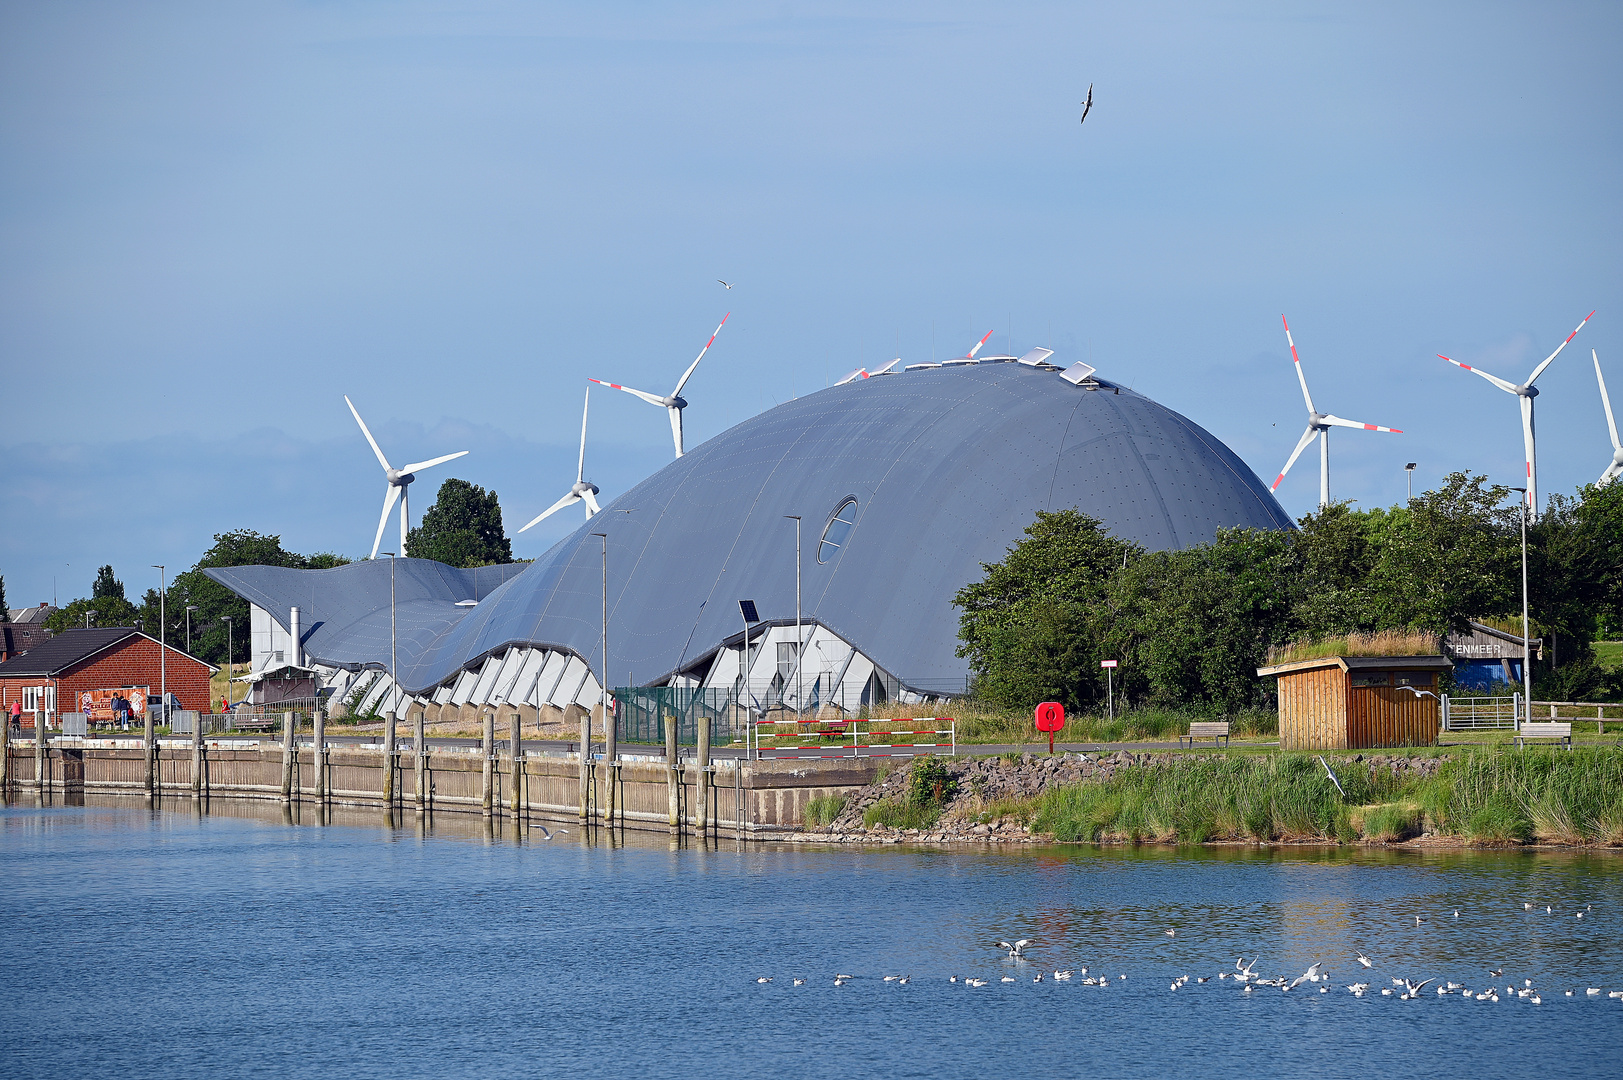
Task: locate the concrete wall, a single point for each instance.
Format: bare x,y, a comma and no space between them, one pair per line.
774,793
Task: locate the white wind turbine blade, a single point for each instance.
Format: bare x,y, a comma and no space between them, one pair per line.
1508,387
591,502
1339,422
567,500
580,466
390,496
419,466
1307,437
676,428
375,449
1297,360
652,399
1611,424
1540,369
683,381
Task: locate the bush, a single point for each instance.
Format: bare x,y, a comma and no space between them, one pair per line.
930,783
823,809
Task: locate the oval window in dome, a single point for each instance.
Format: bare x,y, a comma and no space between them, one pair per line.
837,529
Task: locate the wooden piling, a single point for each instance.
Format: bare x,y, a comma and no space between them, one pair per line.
585,767
673,779
288,726
419,753
516,772
197,755
388,759
487,785
149,746
318,756
701,820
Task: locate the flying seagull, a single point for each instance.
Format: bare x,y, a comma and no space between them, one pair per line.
1017,950
723,283
1087,106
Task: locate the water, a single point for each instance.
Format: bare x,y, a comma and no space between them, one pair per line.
136,943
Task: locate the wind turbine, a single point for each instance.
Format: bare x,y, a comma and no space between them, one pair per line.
1527,392
1317,424
1616,467
673,403
398,480
581,491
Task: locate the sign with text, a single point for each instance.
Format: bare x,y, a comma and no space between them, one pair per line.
1107,663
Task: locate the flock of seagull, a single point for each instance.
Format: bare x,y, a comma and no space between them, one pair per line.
1245,976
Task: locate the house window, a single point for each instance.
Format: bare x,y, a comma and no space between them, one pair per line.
1372,678
1414,678
837,529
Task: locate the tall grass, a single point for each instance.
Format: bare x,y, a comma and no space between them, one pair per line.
1379,643
1490,796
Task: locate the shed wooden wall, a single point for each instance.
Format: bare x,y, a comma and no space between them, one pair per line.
1390,716
1313,709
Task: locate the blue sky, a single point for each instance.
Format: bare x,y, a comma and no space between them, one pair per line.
215,220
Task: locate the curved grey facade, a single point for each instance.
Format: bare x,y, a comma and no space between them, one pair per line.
947,466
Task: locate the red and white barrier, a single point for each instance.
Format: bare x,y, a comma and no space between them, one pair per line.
851,731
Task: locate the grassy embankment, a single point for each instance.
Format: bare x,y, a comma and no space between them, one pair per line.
1483,796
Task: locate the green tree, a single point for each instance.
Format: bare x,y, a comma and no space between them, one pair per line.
462,528
109,611
1031,628
215,602
106,585
5,613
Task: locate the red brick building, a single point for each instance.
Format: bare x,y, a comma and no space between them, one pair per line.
56,671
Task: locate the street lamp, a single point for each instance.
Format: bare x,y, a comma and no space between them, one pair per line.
163,648
610,743
394,692
189,609
228,628
799,703
1408,471
1527,645
88,614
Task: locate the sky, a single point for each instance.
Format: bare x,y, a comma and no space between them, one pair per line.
217,220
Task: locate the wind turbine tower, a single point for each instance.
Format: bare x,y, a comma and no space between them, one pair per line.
1526,392
1318,424
398,480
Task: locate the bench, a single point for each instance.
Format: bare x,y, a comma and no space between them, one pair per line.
1547,730
1213,730
253,723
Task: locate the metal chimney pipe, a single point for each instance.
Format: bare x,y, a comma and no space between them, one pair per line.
296,653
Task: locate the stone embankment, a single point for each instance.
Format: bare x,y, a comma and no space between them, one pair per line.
992,796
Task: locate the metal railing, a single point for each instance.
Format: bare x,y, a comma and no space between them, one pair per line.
1481,713
853,738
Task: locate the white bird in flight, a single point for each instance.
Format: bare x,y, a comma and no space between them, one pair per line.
1087,106
1017,950
723,283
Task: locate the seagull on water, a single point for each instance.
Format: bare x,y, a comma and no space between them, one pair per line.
1172,933
1064,974
763,979
1366,961
904,980
1008,978
800,982
1017,950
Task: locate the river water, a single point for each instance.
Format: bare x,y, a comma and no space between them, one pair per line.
163,943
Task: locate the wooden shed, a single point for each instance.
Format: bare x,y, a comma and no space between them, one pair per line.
1358,702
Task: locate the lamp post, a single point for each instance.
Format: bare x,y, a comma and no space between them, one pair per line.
227,620
610,743
394,693
189,609
1527,645
163,648
798,644
88,614
1408,472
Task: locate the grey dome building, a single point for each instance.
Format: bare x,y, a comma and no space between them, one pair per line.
904,483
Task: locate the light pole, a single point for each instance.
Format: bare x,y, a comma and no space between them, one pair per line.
227,620
1408,472
189,609
799,703
394,693
88,614
1527,645
163,648
610,743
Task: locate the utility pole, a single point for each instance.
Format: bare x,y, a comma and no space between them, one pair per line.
1527,644
163,648
799,645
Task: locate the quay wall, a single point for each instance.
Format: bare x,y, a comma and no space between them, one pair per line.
751,797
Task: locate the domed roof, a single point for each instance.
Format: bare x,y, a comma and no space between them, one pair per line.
946,467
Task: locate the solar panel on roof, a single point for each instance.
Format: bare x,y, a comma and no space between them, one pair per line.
1077,373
